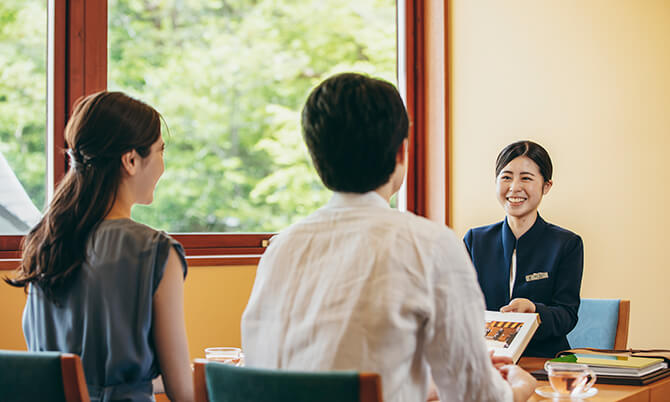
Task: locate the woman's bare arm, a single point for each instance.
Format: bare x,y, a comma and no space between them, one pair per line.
170,332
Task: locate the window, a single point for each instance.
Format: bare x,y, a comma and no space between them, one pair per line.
230,79
77,65
23,43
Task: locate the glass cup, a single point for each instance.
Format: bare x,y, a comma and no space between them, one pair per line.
569,378
231,356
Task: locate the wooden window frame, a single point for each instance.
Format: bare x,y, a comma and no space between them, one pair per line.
80,68
427,98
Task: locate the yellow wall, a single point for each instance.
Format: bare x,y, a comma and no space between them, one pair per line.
11,309
214,299
589,80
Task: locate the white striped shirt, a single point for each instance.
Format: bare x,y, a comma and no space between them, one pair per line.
360,286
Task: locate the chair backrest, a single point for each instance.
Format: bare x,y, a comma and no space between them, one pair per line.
603,324
218,382
41,376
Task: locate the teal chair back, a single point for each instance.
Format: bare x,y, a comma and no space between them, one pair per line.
41,376
218,382
602,324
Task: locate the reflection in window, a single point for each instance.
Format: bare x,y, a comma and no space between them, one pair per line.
230,78
23,116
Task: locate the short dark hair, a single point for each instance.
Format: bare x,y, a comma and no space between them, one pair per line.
353,126
530,149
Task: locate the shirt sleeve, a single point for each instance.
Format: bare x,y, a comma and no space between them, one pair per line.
560,317
163,245
456,349
468,242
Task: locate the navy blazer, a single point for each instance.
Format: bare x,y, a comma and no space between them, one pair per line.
555,254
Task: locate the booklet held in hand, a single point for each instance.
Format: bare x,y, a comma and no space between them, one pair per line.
508,334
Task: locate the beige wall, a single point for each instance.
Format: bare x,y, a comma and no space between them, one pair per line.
589,80
214,299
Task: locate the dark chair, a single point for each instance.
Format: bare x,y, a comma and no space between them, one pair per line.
41,376
218,382
603,324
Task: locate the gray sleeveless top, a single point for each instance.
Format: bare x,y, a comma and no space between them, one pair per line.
106,316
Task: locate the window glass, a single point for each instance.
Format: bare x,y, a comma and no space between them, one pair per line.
230,78
23,42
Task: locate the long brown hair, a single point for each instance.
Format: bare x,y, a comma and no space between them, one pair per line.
103,127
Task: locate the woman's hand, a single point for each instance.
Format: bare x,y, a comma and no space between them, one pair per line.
499,362
523,384
519,305
432,392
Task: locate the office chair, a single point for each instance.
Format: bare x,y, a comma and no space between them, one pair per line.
603,324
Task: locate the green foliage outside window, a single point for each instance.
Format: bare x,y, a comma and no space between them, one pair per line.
229,78
23,48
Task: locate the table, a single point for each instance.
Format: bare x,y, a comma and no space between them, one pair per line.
658,391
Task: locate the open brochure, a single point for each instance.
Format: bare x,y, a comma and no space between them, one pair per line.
508,334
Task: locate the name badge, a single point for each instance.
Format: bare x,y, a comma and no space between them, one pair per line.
537,276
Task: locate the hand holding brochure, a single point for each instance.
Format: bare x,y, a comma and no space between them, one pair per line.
508,334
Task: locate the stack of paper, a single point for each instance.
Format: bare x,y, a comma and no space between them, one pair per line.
624,366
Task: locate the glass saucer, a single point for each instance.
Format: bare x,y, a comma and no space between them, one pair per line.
549,392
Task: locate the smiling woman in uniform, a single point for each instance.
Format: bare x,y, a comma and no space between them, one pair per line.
525,264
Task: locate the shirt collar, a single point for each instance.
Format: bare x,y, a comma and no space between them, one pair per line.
369,199
526,240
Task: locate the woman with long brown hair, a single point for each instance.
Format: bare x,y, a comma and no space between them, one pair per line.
99,284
